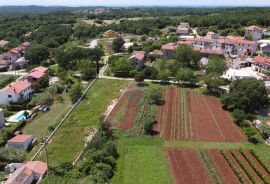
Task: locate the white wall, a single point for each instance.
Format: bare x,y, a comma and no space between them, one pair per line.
4,100
2,118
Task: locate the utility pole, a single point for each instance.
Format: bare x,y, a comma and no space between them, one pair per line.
44,144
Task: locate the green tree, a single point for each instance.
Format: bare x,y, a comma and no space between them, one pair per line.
216,65
248,95
36,53
117,44
239,115
121,67
185,56
185,75
87,69
75,92
213,82
154,96
249,37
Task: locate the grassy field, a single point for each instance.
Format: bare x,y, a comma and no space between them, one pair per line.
142,161
39,126
70,139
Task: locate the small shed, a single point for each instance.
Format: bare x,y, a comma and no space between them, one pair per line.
21,142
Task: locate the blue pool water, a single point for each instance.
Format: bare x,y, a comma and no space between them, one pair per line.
20,116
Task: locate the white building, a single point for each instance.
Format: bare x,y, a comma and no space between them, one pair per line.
234,74
254,31
2,118
15,91
183,29
212,35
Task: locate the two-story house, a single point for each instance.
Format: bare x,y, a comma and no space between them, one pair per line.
15,91
254,31
168,50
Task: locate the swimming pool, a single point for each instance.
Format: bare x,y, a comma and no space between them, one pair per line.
18,117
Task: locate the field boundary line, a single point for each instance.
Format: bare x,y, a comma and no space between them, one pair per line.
214,119
95,131
64,119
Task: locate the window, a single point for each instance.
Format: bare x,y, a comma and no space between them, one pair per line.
9,96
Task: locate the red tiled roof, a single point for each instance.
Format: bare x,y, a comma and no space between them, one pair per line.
253,27
3,43
209,51
138,54
169,46
25,44
17,87
37,72
260,59
37,167
184,42
21,138
201,40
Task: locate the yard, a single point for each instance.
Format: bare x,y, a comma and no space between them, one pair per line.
141,161
70,139
40,126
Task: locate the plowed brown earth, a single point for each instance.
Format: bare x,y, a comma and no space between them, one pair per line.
230,131
222,167
125,111
253,172
238,167
186,167
258,164
200,119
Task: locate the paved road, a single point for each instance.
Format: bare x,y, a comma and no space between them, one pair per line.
15,73
93,44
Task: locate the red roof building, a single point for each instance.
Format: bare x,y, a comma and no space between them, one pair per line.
36,74
30,172
21,142
15,91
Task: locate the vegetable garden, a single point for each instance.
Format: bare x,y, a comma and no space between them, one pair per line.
187,115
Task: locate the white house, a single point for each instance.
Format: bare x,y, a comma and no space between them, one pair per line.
212,35
137,59
10,57
234,74
2,118
21,142
254,31
14,91
183,29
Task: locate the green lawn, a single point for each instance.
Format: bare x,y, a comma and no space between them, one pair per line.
70,139
39,126
142,161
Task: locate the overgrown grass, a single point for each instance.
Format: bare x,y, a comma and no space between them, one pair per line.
40,126
142,161
70,139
